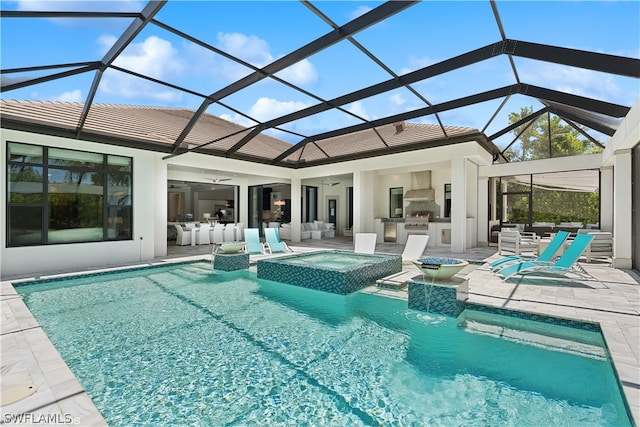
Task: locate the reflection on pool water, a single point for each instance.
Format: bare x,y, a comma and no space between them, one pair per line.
184,345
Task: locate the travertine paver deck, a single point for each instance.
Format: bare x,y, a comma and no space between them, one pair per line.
28,356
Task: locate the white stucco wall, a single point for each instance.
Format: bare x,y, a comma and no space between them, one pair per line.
148,196
466,166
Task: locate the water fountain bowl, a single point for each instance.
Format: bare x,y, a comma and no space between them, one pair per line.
438,268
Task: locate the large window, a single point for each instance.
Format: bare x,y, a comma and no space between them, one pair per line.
395,202
447,200
312,203
551,198
57,195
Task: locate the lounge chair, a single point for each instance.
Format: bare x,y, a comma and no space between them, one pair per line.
365,243
546,255
274,244
252,244
563,265
414,248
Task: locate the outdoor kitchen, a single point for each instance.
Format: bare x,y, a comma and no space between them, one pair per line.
422,215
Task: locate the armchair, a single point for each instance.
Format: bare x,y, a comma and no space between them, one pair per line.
517,242
600,246
182,237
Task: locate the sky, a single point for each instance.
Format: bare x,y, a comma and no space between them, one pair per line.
263,31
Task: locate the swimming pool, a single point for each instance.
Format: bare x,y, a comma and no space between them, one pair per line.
183,345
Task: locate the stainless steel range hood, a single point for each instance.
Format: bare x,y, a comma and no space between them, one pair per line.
425,194
420,188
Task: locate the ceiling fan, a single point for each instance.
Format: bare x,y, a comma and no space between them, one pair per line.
217,180
330,184
178,185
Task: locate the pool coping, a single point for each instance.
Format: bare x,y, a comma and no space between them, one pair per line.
29,357
28,353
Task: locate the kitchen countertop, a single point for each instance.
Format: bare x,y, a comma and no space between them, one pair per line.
402,220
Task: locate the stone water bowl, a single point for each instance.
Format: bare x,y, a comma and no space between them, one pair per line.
438,268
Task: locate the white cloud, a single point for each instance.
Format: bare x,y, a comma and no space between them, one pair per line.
415,63
115,83
105,42
301,73
70,96
359,11
358,109
154,57
268,108
576,81
248,48
82,5
398,104
397,99
265,109
252,50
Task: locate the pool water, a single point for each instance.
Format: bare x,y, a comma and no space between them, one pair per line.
184,345
333,260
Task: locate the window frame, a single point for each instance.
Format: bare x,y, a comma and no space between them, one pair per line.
396,201
107,168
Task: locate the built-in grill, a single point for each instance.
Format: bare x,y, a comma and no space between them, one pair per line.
417,222
420,201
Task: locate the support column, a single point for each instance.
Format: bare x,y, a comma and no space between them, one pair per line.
606,199
242,206
296,208
363,202
483,229
622,194
160,209
458,205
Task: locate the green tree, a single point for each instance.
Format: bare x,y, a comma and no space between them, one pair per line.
546,136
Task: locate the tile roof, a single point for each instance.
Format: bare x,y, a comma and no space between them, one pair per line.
157,128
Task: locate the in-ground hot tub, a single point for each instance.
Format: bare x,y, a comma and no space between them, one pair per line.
340,272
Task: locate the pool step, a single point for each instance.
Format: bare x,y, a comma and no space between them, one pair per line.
533,338
397,280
